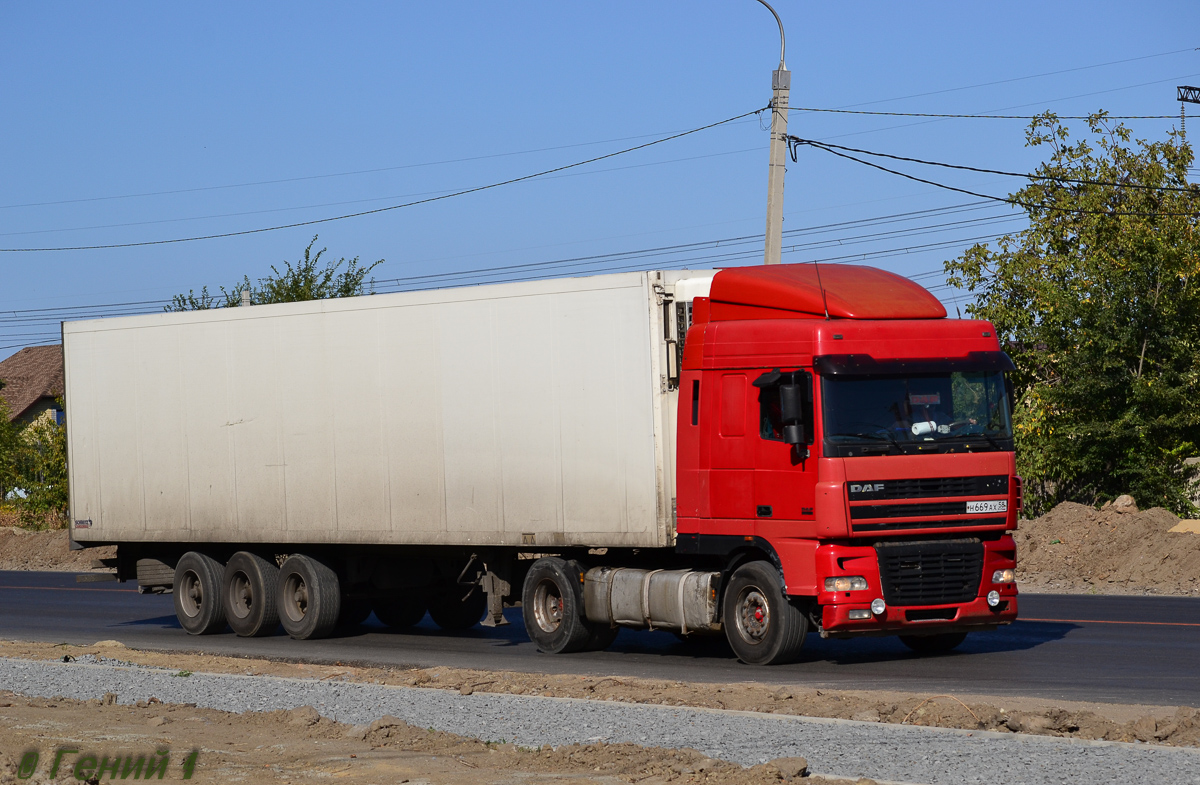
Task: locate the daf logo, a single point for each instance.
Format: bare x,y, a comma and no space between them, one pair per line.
866,488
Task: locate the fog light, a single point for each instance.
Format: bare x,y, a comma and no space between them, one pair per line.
849,583
878,606
993,598
1004,576
859,615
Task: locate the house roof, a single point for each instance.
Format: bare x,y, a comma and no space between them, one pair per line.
31,374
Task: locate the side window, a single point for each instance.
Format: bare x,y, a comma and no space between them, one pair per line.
785,405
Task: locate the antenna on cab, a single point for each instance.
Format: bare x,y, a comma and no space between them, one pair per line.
824,300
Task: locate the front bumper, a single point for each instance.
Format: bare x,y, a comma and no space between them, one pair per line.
842,559
974,615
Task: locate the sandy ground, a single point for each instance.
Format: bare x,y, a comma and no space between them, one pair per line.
1113,722
300,746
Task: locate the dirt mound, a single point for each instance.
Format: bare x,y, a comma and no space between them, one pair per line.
1107,551
22,549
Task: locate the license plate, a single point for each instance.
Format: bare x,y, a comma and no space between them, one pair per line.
999,506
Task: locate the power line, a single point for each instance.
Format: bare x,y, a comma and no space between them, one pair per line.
1188,189
463,192
1007,200
979,116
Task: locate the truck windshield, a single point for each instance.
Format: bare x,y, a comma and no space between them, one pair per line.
908,412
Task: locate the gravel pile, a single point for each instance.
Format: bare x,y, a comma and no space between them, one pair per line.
836,747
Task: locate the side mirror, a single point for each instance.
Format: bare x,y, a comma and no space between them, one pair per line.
791,403
793,433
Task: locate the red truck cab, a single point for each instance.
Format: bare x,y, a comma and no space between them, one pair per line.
833,422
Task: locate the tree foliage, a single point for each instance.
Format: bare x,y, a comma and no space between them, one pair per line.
10,448
1099,303
306,280
42,474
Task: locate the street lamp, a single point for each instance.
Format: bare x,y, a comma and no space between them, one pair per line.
781,83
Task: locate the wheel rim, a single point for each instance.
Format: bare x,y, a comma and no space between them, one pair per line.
548,606
191,594
241,595
295,597
753,615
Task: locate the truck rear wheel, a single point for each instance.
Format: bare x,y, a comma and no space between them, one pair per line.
197,592
249,588
552,604
761,623
933,644
401,611
309,598
451,611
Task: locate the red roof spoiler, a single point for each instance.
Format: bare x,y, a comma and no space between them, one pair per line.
792,290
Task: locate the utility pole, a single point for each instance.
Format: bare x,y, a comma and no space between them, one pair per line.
781,83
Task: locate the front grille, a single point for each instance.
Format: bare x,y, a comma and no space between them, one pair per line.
934,572
908,510
928,487
907,525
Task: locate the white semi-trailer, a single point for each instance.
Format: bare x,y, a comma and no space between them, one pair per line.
534,416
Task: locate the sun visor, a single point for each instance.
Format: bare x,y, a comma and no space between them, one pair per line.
847,291
866,365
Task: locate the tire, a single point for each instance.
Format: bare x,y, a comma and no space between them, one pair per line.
402,611
353,613
552,604
310,598
451,611
942,643
249,590
762,625
197,593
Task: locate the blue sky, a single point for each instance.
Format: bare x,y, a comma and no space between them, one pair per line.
137,122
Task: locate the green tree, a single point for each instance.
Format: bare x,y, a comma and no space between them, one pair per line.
1098,302
10,448
42,474
306,280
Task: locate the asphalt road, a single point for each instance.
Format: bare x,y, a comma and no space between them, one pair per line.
1066,647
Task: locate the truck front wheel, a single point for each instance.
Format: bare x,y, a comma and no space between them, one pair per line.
250,585
552,604
761,623
197,592
309,598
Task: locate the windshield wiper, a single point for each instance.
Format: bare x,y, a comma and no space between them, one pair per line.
883,436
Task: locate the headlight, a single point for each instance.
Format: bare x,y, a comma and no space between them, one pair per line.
1004,576
878,606
993,598
851,583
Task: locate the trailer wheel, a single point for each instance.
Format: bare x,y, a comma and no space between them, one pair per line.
933,644
249,588
401,611
451,611
309,598
552,604
761,623
197,594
